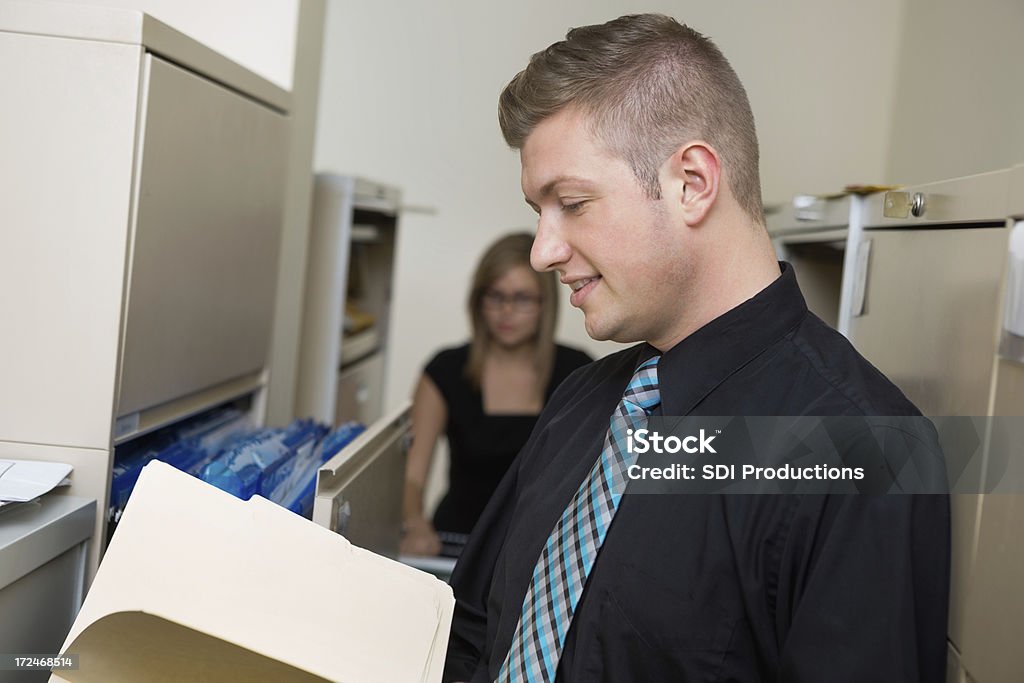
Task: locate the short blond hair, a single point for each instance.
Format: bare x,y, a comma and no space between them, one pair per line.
647,84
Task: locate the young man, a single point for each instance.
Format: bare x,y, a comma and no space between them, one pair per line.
639,156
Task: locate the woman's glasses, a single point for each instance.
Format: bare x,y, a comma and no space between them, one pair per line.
520,302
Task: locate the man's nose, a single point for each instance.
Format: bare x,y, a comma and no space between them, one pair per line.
550,249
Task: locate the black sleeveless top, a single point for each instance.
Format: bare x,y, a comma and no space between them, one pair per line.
481,446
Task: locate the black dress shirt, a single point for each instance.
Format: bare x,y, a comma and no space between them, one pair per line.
719,587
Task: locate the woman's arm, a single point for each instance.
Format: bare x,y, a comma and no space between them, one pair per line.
429,415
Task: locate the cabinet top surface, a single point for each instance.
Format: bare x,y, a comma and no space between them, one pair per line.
809,213
133,27
366,194
984,197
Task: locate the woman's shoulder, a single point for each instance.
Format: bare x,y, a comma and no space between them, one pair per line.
448,363
567,360
570,357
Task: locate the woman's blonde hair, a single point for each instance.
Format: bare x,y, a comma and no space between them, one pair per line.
507,253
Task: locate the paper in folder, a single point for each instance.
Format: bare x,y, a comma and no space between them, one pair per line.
198,585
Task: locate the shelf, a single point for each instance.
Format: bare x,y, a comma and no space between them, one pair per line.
132,425
356,346
836,236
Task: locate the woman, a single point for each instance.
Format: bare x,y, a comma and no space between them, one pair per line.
485,395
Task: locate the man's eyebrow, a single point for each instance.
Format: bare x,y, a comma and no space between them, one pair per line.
549,187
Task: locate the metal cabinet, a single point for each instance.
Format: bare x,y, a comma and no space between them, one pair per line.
934,286
917,281
144,179
346,320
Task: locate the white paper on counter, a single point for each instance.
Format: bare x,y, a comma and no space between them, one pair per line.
25,480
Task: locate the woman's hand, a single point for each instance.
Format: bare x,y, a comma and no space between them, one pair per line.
419,538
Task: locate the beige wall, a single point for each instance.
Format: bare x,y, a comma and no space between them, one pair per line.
959,106
408,96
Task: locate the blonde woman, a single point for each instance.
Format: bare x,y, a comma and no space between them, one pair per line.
485,395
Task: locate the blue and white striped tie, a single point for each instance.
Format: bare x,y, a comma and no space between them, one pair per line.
572,547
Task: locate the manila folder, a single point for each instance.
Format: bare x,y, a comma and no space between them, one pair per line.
200,586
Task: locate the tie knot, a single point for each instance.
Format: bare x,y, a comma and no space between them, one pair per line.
643,387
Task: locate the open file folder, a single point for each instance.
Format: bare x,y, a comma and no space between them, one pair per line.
197,585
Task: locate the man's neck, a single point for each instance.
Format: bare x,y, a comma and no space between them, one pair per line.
728,276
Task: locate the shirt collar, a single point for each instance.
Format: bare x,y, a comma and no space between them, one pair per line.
702,361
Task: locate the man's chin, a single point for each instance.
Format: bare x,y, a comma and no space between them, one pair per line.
599,332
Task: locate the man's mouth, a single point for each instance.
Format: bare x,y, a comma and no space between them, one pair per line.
577,285
581,288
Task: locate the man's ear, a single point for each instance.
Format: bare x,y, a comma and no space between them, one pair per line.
691,178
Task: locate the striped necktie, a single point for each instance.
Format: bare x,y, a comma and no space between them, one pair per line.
569,554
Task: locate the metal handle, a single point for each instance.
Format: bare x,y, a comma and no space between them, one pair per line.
900,204
917,205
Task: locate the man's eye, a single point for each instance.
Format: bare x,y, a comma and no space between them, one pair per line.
575,207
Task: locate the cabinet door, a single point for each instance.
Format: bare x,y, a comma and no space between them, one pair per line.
931,314
209,188
994,612
930,319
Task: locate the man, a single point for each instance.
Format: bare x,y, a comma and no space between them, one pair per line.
639,156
